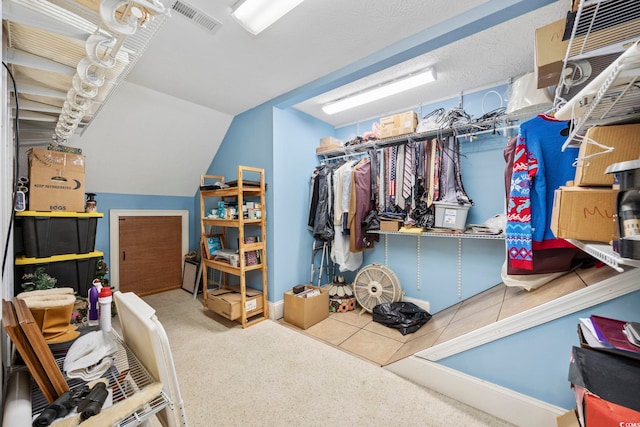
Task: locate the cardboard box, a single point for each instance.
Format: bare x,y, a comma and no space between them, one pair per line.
56,181
306,312
568,419
398,124
390,224
550,51
329,140
583,213
227,302
625,141
325,148
606,35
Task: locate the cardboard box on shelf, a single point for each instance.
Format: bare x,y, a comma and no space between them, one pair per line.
398,124
625,141
227,302
329,140
387,224
550,51
583,213
56,181
325,148
306,312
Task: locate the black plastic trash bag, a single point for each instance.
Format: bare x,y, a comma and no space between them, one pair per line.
404,316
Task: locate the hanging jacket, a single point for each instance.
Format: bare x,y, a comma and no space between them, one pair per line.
322,209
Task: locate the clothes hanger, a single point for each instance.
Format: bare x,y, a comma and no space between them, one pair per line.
586,140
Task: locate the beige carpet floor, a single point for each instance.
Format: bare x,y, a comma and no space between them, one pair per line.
271,375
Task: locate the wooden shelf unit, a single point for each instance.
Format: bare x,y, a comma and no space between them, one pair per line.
238,193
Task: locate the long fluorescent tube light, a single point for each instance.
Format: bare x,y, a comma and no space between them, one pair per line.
379,92
256,15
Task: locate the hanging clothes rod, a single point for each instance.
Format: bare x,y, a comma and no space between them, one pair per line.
497,129
347,156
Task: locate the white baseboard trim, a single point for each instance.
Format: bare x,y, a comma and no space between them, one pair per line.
600,292
425,305
506,404
276,310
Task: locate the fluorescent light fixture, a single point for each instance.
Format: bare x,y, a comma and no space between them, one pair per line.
391,88
256,15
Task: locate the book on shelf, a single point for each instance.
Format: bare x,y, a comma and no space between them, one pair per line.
252,257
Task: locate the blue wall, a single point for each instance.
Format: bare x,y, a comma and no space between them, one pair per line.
108,201
294,134
536,362
249,142
433,275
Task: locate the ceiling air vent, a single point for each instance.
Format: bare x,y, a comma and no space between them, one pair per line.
198,17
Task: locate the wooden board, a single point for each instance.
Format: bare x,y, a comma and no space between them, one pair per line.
40,347
22,344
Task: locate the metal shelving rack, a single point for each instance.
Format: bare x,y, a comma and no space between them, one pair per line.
614,95
126,377
473,127
611,97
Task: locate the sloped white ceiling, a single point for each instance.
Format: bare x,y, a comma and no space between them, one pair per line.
147,142
161,129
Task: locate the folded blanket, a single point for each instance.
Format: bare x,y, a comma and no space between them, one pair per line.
90,356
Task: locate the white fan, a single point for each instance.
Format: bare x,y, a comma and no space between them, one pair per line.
376,284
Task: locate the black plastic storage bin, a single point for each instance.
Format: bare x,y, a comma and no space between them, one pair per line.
72,271
46,234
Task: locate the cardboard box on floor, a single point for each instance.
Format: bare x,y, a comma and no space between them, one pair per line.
625,141
583,213
56,181
306,312
227,302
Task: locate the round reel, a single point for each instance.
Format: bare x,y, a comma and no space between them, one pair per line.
376,284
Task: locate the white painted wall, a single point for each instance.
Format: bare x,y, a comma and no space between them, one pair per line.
146,142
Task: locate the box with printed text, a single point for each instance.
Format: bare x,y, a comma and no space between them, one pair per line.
583,213
56,181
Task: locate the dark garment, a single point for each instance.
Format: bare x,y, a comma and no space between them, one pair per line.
323,221
360,205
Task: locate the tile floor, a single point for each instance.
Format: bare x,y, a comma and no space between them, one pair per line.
358,334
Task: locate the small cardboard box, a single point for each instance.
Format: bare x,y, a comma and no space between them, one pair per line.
550,51
56,181
329,140
226,302
625,141
398,124
583,213
568,419
390,224
306,312
325,148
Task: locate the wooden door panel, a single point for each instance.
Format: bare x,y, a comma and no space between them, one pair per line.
150,258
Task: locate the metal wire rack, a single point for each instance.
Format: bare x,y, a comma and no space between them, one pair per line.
126,377
600,28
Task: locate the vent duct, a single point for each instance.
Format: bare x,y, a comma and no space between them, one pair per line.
198,17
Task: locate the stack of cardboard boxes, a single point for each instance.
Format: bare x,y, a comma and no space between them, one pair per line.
585,209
